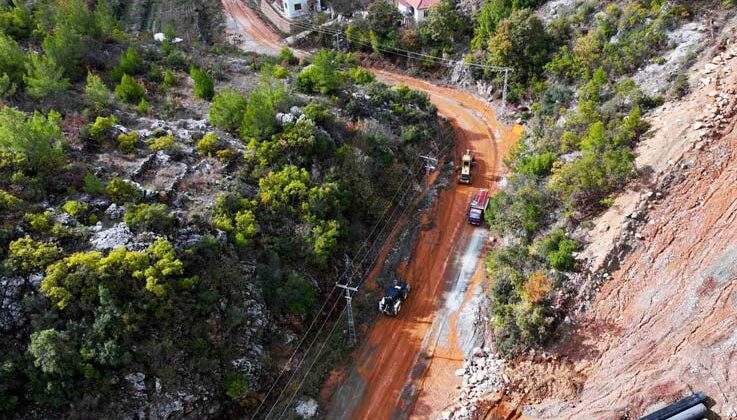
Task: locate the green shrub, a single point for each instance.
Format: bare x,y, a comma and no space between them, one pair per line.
121,191
236,386
102,128
8,201
130,62
39,222
361,76
129,90
92,184
169,78
322,75
12,60
31,145
167,143
149,217
76,209
44,77
287,56
143,107
539,165
280,72
204,88
97,94
559,249
209,145
28,255
227,110
127,141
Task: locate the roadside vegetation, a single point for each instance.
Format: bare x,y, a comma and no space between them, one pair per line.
310,156
584,119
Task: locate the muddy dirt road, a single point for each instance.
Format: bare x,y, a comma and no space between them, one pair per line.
406,368
246,30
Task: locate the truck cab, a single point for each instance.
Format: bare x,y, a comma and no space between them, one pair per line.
479,203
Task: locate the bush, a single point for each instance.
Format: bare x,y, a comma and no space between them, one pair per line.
31,145
97,94
236,386
287,56
28,255
149,217
92,184
102,128
209,145
204,88
12,60
322,75
227,110
8,201
361,76
127,141
121,191
39,222
129,90
44,77
130,62
169,78
559,249
76,209
167,143
143,107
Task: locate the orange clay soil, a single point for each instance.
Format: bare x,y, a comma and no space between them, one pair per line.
402,371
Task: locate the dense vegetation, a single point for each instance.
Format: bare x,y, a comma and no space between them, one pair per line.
584,120
310,157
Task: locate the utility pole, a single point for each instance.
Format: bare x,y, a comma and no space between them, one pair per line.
430,163
349,306
504,92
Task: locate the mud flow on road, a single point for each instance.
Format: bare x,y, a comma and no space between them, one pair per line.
406,368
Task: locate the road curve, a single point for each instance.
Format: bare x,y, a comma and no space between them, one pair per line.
404,369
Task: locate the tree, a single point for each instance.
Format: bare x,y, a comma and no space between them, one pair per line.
33,144
129,90
259,120
12,60
53,352
97,93
130,62
284,189
443,25
383,17
204,88
322,75
522,43
227,109
65,46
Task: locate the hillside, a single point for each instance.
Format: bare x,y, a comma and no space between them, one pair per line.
173,211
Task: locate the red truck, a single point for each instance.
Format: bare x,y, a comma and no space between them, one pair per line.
479,202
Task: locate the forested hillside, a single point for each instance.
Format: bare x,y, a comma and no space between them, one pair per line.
173,212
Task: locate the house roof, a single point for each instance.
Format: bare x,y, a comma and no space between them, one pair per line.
420,4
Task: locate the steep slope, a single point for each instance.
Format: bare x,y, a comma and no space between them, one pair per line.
664,325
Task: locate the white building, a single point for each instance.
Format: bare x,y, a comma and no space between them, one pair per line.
297,8
415,9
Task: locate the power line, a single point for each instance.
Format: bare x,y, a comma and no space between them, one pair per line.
322,348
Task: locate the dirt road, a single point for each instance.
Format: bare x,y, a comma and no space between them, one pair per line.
406,368
246,30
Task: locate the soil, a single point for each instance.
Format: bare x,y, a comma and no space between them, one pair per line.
663,326
246,30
